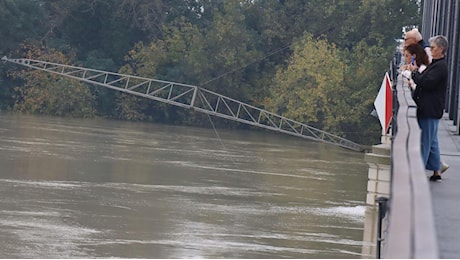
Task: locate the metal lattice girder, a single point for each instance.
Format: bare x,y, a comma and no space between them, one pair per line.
168,92
221,106
191,97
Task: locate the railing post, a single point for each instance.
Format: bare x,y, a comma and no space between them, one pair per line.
382,201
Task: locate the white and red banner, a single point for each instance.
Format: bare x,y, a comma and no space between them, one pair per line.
384,103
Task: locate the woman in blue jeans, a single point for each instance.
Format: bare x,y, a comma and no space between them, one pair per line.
430,99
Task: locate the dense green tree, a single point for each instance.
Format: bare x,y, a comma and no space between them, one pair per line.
311,88
363,79
97,27
99,35
208,57
21,20
229,48
249,50
48,93
172,59
151,15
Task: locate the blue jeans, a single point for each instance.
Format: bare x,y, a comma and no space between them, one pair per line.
430,147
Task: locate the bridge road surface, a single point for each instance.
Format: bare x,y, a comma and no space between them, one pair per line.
446,194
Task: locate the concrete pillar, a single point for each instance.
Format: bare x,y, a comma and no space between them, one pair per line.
378,185
369,250
379,174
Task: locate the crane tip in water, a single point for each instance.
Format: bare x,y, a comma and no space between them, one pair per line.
4,58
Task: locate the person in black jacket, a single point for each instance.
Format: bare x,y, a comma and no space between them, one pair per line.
430,97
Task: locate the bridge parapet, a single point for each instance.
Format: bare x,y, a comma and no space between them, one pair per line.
409,223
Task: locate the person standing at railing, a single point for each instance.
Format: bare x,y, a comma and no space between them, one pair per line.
414,36
414,54
429,95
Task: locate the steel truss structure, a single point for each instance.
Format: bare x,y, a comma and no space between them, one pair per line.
190,97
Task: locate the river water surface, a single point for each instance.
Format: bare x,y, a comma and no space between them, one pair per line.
91,188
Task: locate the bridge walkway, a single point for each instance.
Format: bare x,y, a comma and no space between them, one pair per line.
446,194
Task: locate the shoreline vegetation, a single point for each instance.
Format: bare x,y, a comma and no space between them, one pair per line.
317,62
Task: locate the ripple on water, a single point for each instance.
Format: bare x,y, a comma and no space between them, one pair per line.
45,234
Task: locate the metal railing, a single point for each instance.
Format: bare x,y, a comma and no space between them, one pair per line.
410,228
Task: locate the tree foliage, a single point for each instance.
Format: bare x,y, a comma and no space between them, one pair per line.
318,61
49,94
311,88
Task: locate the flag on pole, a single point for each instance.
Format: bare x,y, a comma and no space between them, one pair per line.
384,103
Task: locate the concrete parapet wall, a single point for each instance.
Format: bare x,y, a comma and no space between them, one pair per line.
379,174
378,185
